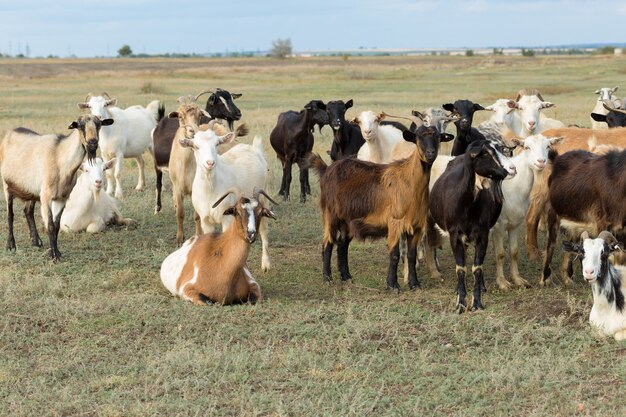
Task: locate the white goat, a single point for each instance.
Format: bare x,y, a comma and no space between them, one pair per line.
608,283
242,167
379,140
87,208
604,93
129,137
43,168
516,192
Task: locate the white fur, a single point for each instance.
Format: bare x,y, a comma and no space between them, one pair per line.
88,208
379,140
605,93
242,167
526,118
172,267
129,137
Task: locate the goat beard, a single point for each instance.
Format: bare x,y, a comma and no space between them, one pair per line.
96,194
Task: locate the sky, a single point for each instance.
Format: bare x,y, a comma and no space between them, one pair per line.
99,28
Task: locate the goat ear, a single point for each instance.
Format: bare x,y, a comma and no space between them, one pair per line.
512,104
519,142
109,164
381,116
206,113
111,102
231,211
229,137
106,122
616,87
409,136
212,99
83,105
268,213
321,105
173,115
597,92
598,117
490,108
73,125
235,96
354,121
554,141
478,107
572,247
349,104
446,137
186,143
448,106
547,105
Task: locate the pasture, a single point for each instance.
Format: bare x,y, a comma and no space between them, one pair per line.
97,334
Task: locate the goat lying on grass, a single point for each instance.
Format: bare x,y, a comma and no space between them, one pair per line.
212,267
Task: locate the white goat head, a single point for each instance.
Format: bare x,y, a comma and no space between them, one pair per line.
438,118
503,110
98,104
529,104
536,148
595,253
93,174
606,93
204,145
368,122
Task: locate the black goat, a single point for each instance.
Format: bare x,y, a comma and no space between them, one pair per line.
466,214
292,139
347,137
465,133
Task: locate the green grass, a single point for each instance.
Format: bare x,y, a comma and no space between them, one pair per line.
97,334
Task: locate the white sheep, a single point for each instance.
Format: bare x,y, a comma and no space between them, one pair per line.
242,167
608,283
129,137
88,208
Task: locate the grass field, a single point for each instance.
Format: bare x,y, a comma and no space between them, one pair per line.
97,334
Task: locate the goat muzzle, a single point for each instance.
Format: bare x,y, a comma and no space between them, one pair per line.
91,148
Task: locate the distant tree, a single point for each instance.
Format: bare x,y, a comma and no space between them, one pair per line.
125,51
281,48
605,50
469,52
528,52
497,51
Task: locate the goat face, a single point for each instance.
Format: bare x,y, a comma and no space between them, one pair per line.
536,148
318,110
189,116
248,213
595,253
464,111
368,122
220,105
529,108
94,171
88,127
606,93
489,162
337,112
204,145
427,139
98,105
614,117
502,109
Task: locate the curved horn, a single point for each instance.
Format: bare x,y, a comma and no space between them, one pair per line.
229,192
106,95
89,95
607,237
615,109
202,93
259,191
584,235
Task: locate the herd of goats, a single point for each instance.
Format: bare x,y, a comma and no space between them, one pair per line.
412,184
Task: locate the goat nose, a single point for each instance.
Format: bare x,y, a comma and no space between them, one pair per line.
588,272
210,164
541,161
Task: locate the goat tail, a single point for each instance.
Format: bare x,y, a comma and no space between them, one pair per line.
156,109
315,161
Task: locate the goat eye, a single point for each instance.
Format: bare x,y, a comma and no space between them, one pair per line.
526,148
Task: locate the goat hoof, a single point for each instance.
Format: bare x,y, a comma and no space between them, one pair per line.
460,308
37,242
328,280
394,289
157,209
11,248
415,287
477,307
302,199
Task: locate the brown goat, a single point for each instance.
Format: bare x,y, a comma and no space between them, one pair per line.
573,139
361,200
212,267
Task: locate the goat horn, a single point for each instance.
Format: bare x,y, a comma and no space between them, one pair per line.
89,95
202,93
615,109
260,191
397,117
584,235
105,94
607,237
229,192
608,104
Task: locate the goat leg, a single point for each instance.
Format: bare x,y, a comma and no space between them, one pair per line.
159,188
303,182
392,273
458,248
327,252
342,257
29,213
412,242
10,217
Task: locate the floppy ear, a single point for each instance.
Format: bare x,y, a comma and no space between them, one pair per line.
446,137
598,117
106,122
321,106
349,104
478,107
573,247
230,211
268,213
448,106
108,164
173,115
409,136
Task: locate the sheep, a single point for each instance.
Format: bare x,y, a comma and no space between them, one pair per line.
599,108
360,199
43,168
243,167
212,267
516,193
456,207
129,137
608,282
379,140
87,208
573,139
